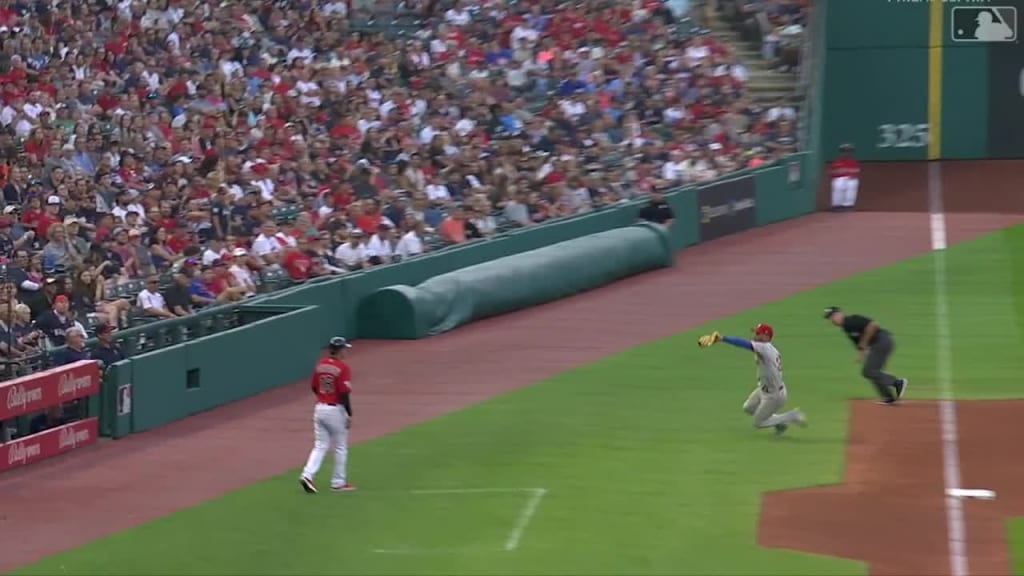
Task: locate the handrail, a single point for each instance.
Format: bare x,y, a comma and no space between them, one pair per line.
807,84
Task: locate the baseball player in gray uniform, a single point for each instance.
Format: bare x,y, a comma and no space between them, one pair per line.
770,393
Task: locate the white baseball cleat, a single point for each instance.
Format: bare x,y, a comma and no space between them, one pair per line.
307,485
801,420
346,487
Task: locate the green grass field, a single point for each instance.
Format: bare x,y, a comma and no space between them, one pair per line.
641,463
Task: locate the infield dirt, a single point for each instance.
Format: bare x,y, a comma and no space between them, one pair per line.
70,500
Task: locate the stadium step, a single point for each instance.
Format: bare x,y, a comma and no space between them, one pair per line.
765,82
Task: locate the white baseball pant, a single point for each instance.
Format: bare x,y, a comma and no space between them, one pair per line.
762,407
329,429
844,191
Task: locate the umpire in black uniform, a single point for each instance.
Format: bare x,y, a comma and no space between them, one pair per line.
874,346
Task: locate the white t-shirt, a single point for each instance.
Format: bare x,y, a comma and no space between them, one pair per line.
148,299
350,255
769,367
457,17
674,170
209,256
437,192
243,276
378,247
409,245
264,245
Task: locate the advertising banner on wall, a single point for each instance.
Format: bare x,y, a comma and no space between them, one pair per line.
55,386
727,208
48,443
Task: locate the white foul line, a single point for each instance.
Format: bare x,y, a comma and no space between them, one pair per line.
956,530
524,518
478,490
511,543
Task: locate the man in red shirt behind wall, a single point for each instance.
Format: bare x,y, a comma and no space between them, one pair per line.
296,260
845,174
332,416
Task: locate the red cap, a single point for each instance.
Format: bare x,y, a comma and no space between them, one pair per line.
765,330
60,298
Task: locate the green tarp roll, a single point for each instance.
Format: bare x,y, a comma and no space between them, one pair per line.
514,282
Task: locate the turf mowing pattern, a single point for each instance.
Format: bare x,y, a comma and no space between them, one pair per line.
646,463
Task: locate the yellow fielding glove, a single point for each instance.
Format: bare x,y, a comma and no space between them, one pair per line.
709,339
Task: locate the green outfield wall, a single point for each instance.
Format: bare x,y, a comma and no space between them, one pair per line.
905,80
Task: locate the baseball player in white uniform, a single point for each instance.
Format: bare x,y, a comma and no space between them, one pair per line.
770,393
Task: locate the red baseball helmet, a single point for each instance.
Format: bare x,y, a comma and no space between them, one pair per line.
764,329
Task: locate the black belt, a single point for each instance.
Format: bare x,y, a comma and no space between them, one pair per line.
329,403
764,389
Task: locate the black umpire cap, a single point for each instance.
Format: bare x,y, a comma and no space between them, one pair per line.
338,343
830,311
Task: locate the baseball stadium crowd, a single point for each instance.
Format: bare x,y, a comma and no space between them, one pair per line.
161,156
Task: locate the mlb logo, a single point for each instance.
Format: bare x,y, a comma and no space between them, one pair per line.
988,24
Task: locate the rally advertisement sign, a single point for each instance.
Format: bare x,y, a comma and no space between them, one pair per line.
48,443
55,386
726,208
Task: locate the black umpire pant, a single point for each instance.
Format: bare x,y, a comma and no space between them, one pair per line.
874,365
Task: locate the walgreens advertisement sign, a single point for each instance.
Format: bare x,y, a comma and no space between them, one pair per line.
55,386
48,443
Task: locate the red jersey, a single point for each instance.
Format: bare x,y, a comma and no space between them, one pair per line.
297,264
845,167
331,381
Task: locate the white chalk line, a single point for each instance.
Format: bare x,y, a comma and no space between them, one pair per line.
515,535
478,491
956,527
524,519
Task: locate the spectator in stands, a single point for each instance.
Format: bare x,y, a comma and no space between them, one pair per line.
107,352
351,254
215,250
58,252
216,280
379,249
87,298
74,229
322,255
454,228
8,342
160,253
296,261
152,302
74,351
236,262
176,297
141,255
517,208
8,243
271,243
412,241
55,322
28,337
199,293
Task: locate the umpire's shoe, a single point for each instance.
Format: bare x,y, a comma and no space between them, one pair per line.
901,387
